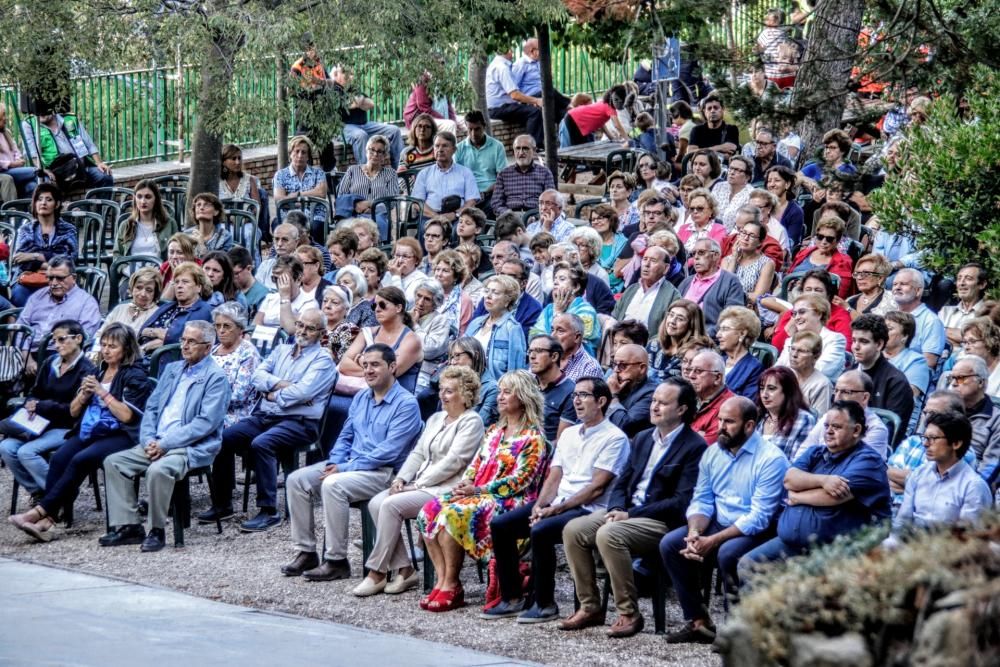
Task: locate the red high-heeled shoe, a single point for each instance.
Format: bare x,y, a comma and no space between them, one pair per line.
427,599
447,600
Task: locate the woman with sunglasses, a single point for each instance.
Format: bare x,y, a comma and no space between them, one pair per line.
395,329
869,275
701,212
822,253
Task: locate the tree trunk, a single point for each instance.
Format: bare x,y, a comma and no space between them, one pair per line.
548,100
213,102
477,77
282,129
823,81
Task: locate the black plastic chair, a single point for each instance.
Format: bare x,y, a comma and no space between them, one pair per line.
623,160
172,180
249,205
765,353
582,210
177,198
22,205
892,421
403,213
116,194
92,280
243,226
110,211
162,356
308,205
123,266
89,234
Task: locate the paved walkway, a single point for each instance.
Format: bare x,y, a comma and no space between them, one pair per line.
53,616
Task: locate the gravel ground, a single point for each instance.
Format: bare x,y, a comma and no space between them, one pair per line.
242,569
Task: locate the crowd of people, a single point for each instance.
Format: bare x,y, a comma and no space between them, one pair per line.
700,375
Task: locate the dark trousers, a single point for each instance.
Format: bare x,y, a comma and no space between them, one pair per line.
509,527
266,438
98,179
72,463
687,574
529,115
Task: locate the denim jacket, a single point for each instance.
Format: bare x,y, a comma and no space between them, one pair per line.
507,350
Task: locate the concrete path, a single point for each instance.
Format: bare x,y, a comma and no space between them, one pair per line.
51,616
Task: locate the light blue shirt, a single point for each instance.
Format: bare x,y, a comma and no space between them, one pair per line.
499,83
434,184
743,490
528,76
930,337
932,498
914,366
174,409
561,228
485,162
378,434
311,373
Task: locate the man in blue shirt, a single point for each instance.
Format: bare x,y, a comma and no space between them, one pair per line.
506,102
527,73
438,184
382,426
735,499
908,290
832,490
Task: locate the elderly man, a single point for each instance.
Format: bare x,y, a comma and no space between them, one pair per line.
567,328
357,128
544,356
711,287
735,500
832,490
596,293
181,430
908,289
968,378
648,499
854,386
707,374
551,217
505,252
294,383
648,299
631,389
892,391
528,77
484,156
970,287
61,300
588,458
653,209
286,240
505,101
767,155
445,186
519,185
382,426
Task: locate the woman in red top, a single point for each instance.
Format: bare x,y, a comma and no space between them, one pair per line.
816,282
580,123
822,253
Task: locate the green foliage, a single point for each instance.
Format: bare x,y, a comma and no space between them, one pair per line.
947,195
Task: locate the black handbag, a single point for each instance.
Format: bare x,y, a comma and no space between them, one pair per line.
451,203
69,171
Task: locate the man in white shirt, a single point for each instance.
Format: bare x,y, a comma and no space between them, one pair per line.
282,308
647,301
970,286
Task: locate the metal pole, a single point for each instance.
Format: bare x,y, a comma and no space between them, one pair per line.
548,100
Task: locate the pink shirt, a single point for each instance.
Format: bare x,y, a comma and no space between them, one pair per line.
592,117
8,152
689,234
700,286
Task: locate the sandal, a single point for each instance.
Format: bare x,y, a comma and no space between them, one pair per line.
33,515
43,532
447,600
427,599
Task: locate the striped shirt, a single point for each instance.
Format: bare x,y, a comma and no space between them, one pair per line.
356,182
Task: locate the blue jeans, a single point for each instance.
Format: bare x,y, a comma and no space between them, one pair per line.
772,550
357,136
24,180
26,459
19,294
98,179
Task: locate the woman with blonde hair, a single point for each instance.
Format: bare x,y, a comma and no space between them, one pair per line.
700,222
166,324
144,288
301,179
500,334
738,329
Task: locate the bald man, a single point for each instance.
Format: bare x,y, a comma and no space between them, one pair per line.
707,375
286,240
631,389
528,76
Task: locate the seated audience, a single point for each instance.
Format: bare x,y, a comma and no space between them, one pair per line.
498,331
766,202
449,270
234,183
648,300
358,130
784,414
683,321
631,389
166,324
437,235
402,270
148,228
930,339
373,264
365,182
766,156
568,288
707,375
620,189
205,218
301,179
504,101
438,107
804,350
604,221
755,270
219,271
238,359
711,287
738,330
353,278
901,328
519,186
596,291
811,312
551,216
38,241
467,353
545,355
313,283
17,178
286,240
781,182
872,298
836,146
588,244
342,245
432,327
445,186
854,386
818,282
981,338
283,307
968,378
714,134
970,288
340,332
252,289
419,151
50,138
485,156
823,254
733,193
181,430
891,388
700,223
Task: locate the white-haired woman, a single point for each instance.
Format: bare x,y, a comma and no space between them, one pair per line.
361,312
433,327
237,357
588,243
340,332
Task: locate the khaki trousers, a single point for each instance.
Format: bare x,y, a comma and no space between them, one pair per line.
390,512
121,468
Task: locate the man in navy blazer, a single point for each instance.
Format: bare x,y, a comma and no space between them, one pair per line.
711,287
181,430
649,499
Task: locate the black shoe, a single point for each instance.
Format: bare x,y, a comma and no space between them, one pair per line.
690,634
154,540
329,570
122,535
305,560
260,523
143,507
216,514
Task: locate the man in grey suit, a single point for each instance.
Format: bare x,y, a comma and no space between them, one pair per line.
181,430
648,299
711,287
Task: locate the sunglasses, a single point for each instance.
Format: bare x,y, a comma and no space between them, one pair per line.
824,237
697,209
382,305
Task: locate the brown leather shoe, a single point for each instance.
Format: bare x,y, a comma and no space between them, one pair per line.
582,619
626,626
305,560
329,570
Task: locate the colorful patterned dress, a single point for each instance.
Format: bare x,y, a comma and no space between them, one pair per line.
239,366
511,470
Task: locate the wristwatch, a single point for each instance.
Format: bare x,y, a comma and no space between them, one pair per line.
284,301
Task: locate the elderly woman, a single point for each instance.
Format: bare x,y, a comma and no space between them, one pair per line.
364,183
780,181
754,269
109,405
620,189
700,222
784,416
205,215
804,350
144,286
366,231
433,468
340,332
437,236
738,329
506,473
869,275
166,324
238,359
313,283
604,221
568,285
823,254
301,179
419,152
449,270
373,264
353,279
465,351
219,270
396,329
148,228
432,327
283,307
810,312
56,385
588,244
472,254
500,334
39,241
234,183
734,192
981,338
684,319
403,272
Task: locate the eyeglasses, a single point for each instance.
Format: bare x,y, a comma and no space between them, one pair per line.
725,329
924,438
307,327
582,395
518,149
544,203
309,263
186,342
619,365
455,356
959,380
824,237
800,350
969,342
698,371
376,151
847,392
746,235
867,274
764,143
697,209
62,339
538,350
703,253
57,279
737,171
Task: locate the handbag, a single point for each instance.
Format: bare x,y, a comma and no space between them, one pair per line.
33,279
97,421
451,203
69,171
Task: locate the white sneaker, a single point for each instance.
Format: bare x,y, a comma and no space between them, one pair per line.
368,587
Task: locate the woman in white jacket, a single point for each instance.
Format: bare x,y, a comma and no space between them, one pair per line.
445,449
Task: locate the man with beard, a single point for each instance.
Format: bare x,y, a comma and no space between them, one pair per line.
519,185
735,499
